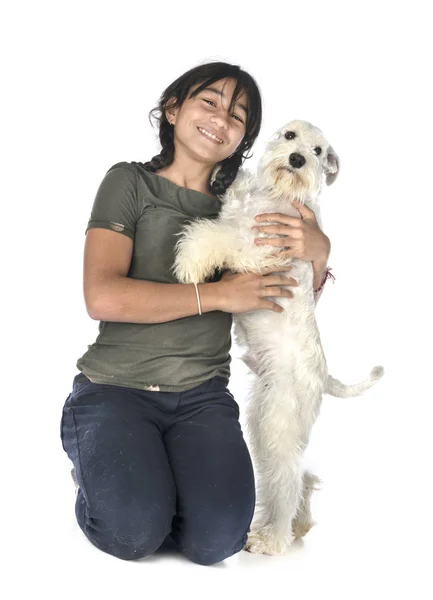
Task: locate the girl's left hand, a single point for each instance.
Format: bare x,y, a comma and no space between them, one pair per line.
304,237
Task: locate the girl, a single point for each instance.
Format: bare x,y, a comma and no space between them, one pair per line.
150,426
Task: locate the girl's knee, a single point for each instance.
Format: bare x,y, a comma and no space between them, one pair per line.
214,540
128,534
206,552
133,547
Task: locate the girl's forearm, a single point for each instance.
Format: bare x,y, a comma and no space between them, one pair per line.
128,300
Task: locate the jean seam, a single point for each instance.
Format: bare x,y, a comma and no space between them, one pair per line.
85,495
61,427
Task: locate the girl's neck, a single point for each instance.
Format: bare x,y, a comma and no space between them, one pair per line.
197,182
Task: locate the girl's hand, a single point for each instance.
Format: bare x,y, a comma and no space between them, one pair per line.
244,292
303,236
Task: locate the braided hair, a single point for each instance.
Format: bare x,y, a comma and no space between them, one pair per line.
225,171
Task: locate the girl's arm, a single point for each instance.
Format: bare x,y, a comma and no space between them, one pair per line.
320,275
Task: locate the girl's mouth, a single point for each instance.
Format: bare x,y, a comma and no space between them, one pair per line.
210,137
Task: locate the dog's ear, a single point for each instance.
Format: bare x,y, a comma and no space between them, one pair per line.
332,166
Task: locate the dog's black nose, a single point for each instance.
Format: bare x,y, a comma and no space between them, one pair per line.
296,160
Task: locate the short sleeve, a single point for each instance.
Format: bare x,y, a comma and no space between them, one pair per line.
116,205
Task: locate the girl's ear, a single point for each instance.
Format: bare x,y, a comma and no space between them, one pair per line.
332,166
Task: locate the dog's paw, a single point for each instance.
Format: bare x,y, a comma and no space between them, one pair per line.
264,541
188,269
301,528
188,274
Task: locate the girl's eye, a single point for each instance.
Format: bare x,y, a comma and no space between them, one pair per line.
238,118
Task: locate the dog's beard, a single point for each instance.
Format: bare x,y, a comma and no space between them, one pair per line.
285,182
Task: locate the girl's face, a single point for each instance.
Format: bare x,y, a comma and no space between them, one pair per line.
208,112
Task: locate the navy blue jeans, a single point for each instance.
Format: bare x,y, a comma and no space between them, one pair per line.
156,464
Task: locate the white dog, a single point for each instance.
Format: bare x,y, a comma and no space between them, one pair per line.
283,349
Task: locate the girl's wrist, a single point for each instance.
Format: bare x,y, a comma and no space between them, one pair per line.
319,271
326,276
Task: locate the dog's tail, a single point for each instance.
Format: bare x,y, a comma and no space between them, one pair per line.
341,390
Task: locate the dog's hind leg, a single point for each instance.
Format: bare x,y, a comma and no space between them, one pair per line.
251,362
279,494
303,521
276,457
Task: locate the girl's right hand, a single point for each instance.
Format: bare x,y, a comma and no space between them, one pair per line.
243,292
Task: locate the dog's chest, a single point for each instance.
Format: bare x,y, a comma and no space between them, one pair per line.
246,209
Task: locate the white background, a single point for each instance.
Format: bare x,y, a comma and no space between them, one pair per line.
79,81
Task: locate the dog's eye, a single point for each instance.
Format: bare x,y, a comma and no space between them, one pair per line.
318,150
290,135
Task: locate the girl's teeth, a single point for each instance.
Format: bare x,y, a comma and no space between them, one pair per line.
210,135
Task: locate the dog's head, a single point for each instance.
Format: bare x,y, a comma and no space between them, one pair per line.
296,160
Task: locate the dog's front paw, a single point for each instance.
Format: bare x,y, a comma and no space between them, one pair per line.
188,272
264,541
195,260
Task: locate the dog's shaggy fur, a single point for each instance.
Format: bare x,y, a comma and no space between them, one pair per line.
283,349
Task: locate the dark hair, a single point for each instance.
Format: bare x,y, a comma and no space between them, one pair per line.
209,73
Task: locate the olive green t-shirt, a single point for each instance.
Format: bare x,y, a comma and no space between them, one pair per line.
172,356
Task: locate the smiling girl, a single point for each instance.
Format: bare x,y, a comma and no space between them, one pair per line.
150,425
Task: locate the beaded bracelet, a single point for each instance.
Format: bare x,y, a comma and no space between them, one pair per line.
327,276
